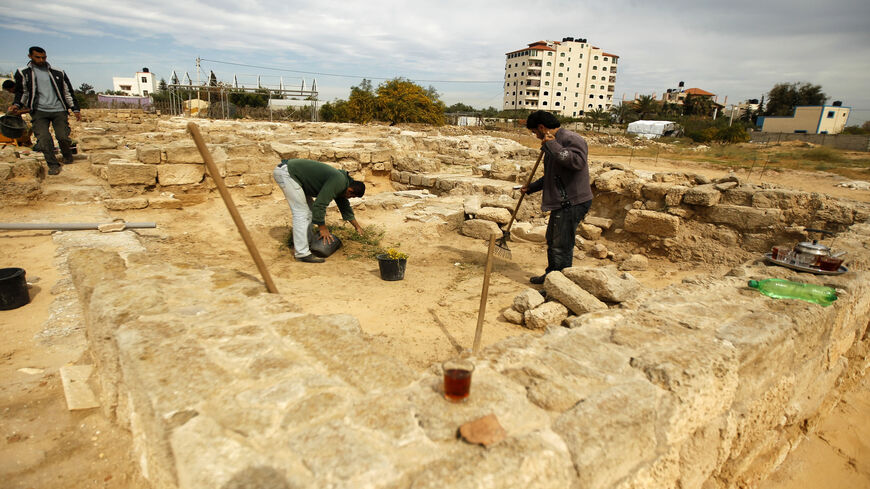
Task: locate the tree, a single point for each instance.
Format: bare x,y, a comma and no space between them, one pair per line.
86,89
697,105
362,103
623,113
459,107
162,87
646,106
597,117
400,100
784,97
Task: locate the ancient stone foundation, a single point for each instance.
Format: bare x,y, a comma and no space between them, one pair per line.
704,384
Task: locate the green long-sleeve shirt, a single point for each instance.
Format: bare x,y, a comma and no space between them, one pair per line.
323,183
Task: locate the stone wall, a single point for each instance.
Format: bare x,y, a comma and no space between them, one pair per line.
704,384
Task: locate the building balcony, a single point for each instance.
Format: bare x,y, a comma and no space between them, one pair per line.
612,79
535,64
613,69
535,73
609,88
533,83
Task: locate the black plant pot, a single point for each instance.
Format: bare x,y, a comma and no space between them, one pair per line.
391,269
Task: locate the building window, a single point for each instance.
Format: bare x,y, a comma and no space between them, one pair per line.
592,87
546,93
144,79
549,63
557,104
590,106
595,67
561,75
558,94
596,57
830,114
544,102
561,65
144,93
559,84
546,84
593,77
591,96
126,87
601,96
580,66
562,55
581,55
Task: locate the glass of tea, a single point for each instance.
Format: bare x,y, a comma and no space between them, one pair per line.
457,378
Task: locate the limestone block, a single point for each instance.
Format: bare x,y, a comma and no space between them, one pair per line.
381,156
512,316
742,195
415,179
186,152
148,153
674,195
588,231
526,231
610,181
28,168
102,158
785,199
605,283
5,171
350,165
836,212
703,195
418,163
547,313
126,204
179,174
120,172
165,203
237,166
602,422
634,262
743,218
527,299
597,250
572,296
235,150
90,143
651,222
495,214
257,190
600,222
480,229
655,190
501,201
257,179
288,151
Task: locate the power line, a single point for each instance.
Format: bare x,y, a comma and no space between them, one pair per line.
344,76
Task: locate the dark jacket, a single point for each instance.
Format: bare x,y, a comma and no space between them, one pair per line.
324,184
26,89
566,172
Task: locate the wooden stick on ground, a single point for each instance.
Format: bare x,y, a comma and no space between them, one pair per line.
482,310
228,200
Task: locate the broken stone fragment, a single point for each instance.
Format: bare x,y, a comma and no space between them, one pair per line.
605,283
512,315
480,228
527,299
547,313
483,431
574,297
635,262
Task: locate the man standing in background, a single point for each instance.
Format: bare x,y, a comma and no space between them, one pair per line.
48,94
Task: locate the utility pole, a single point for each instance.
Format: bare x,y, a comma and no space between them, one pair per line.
197,85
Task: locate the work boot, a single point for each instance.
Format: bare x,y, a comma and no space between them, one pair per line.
53,169
538,280
310,259
68,160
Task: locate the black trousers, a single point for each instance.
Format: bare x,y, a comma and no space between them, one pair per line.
561,230
44,141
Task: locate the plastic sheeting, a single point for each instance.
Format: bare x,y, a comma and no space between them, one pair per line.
652,129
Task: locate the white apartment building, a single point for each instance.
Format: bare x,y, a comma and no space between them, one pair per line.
142,85
567,77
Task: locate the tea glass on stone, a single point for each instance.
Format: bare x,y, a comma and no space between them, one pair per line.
457,379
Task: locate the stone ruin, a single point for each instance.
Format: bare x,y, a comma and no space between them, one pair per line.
701,384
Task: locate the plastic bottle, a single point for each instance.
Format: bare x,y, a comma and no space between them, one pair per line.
786,289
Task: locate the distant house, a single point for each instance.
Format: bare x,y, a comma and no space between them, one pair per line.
809,119
678,96
142,85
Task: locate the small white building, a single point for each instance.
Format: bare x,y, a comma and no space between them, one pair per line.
142,85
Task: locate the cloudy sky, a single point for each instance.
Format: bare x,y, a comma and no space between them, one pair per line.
735,48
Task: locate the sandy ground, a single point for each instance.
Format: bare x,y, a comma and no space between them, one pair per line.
425,318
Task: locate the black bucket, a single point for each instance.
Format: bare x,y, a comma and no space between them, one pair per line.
391,269
318,247
13,288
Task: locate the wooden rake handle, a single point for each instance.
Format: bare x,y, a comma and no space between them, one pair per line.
228,200
523,194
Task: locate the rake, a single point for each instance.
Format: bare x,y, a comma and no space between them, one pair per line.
501,249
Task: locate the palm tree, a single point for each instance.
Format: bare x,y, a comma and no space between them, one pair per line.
646,105
599,117
623,113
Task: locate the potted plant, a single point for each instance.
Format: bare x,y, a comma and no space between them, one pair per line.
392,264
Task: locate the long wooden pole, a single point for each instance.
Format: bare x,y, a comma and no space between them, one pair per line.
228,200
483,295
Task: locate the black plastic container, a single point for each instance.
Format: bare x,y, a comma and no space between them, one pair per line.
391,269
318,247
13,288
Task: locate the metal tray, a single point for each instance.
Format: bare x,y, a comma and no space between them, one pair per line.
818,271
